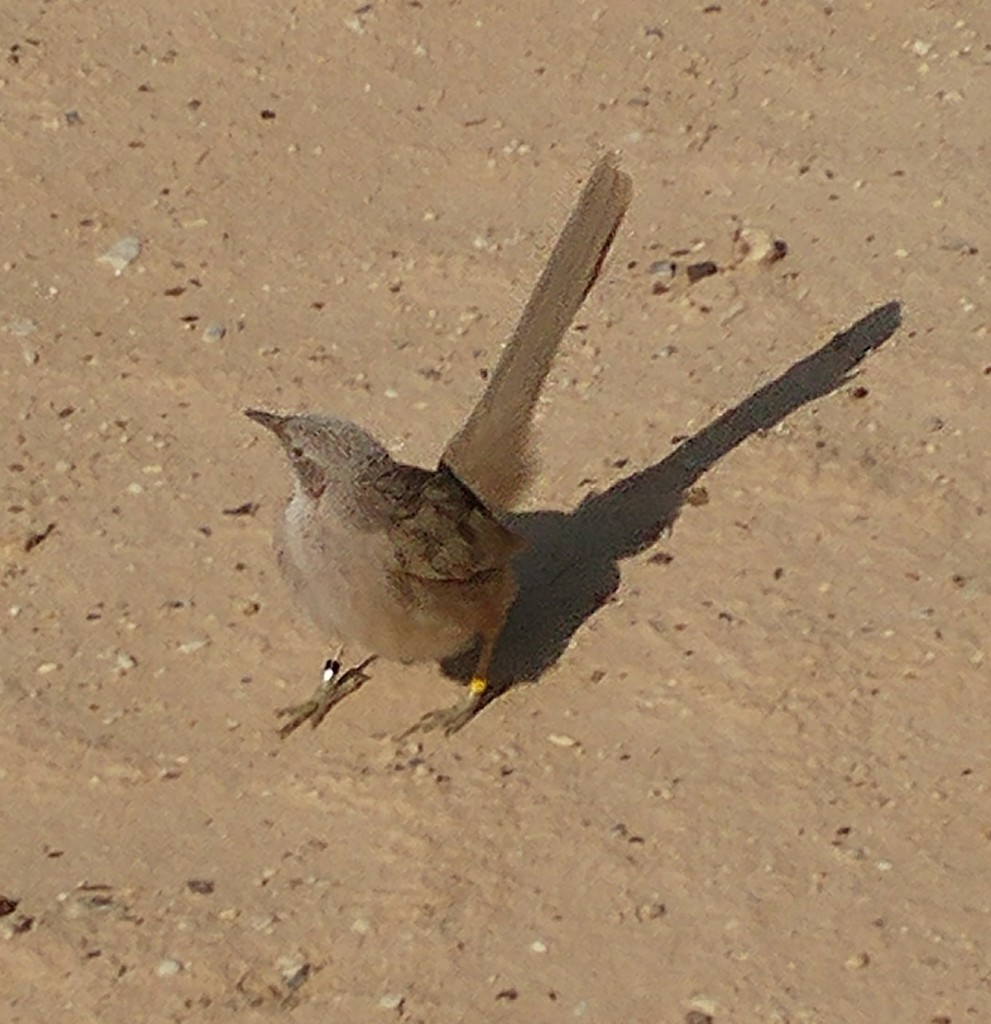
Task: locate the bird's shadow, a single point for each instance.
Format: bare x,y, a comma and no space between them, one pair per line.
570,565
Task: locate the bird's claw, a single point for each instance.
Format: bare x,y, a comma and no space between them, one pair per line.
450,720
332,690
313,711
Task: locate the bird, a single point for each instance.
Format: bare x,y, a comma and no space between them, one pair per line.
414,564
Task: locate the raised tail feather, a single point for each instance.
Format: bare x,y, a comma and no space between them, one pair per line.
492,452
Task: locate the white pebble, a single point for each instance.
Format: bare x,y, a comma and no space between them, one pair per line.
756,245
560,740
124,662
122,253
290,966
168,967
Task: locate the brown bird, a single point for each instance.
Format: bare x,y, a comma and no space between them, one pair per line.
415,564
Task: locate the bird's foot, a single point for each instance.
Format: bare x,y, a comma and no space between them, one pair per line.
453,718
333,688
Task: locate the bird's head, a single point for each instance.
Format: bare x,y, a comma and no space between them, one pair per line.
322,450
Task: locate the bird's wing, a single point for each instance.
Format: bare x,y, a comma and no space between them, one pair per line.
439,529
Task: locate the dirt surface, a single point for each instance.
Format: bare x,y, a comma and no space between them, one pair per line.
744,777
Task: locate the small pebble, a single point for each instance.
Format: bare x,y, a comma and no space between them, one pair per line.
560,740
703,1011
698,271
124,662
755,245
538,947
214,332
294,970
12,926
663,268
122,253
663,272
392,1001
652,910
168,967
354,23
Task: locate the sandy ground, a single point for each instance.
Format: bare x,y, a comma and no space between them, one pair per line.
746,776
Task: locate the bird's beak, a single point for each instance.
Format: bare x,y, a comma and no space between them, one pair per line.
271,420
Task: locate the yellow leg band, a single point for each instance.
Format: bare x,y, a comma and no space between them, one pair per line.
478,686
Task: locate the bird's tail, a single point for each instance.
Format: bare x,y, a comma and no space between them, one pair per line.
492,452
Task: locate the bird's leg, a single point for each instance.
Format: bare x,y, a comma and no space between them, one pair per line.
334,687
453,718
